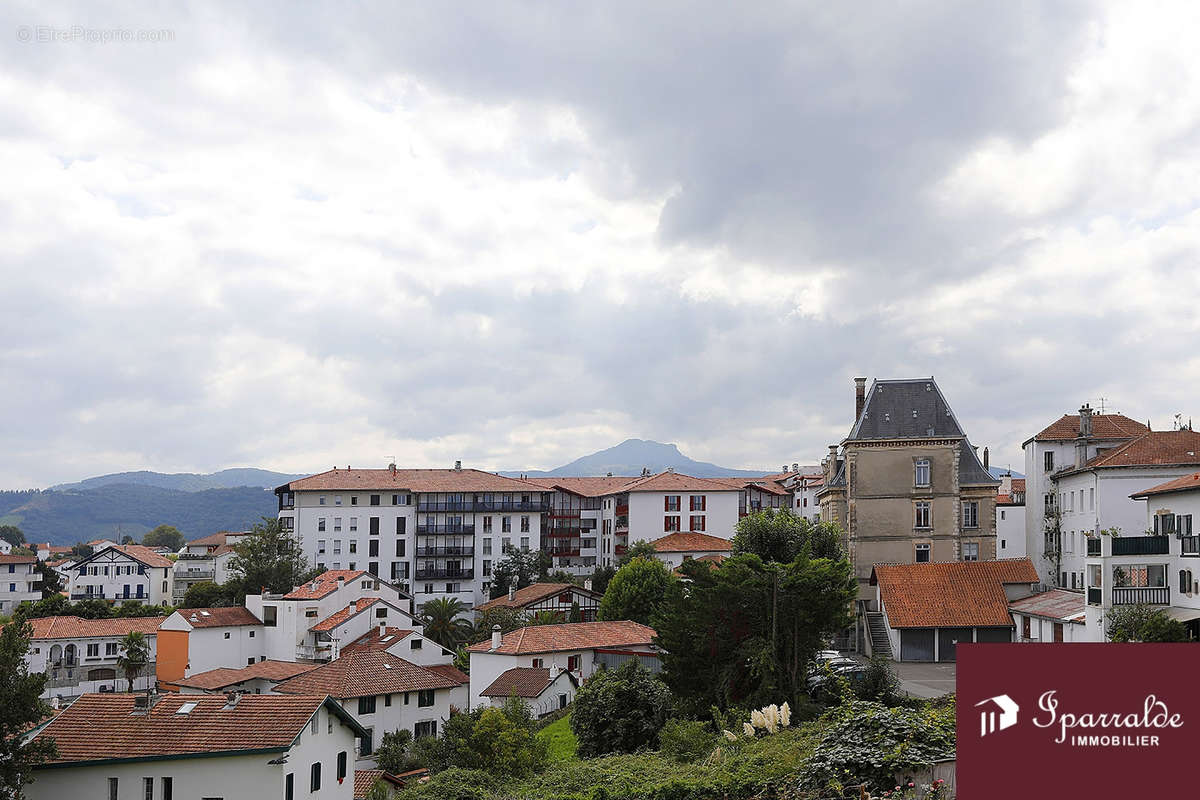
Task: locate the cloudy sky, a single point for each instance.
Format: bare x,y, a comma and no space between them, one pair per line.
513,234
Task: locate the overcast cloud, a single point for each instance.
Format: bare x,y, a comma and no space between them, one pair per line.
513,234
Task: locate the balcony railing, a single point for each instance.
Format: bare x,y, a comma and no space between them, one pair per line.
443,506
196,574
1149,595
1093,546
438,552
560,530
1141,546
448,528
623,510
430,574
1094,596
88,596
619,550
564,552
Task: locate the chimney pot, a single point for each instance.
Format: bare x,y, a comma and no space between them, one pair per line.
458,466
985,458
860,397
496,637
512,591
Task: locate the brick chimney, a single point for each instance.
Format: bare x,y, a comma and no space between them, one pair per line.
831,464
860,396
985,459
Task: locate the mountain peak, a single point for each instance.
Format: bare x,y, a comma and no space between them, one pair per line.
631,456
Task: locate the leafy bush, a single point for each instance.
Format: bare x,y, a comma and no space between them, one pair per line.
1142,623
500,741
879,683
620,711
868,743
685,740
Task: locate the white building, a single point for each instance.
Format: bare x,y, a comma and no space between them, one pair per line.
579,648
204,559
675,548
1010,518
556,598
261,677
1073,439
194,640
123,572
80,655
312,621
804,495
383,692
50,552
434,532
193,746
1056,615
544,690
19,581
1159,566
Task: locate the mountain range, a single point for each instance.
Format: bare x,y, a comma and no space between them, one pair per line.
633,455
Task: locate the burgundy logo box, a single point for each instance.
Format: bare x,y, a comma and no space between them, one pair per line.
1077,720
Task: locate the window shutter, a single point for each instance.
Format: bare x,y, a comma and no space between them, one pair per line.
666,502
1156,516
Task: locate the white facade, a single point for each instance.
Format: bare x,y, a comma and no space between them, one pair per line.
399,711
86,660
1010,530
558,694
212,647
19,581
113,574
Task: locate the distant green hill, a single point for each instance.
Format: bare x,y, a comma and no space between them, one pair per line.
187,481
77,515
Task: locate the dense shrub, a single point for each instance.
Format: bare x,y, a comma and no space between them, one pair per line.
685,740
879,683
620,711
500,741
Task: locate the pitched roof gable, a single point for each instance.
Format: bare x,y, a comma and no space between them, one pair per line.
569,636
950,595
525,682
377,639
137,552
676,482
691,543
533,593
366,672
1187,483
1153,448
325,583
70,627
224,617
1104,426
222,677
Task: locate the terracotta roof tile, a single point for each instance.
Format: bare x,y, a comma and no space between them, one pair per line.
414,480
80,628
569,636
364,779
676,482
144,554
691,543
950,595
533,593
1055,604
1018,484
219,617
340,616
376,639
713,559
17,559
101,727
1104,426
519,682
366,672
212,540
767,483
1154,448
586,487
1185,484
223,676
323,584
450,672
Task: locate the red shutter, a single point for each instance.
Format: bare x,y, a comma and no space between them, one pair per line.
666,502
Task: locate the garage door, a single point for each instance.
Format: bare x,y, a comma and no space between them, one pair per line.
993,634
947,638
916,644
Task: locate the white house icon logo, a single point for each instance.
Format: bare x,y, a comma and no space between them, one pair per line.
990,721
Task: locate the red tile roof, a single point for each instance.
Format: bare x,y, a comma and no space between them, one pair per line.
569,636
11,559
219,617
1054,604
104,727
1154,448
324,584
80,628
1185,484
414,480
676,482
519,682
376,639
145,555
212,540
450,672
221,677
366,672
950,595
586,487
767,483
713,559
340,616
1018,484
364,779
1104,426
691,543
534,593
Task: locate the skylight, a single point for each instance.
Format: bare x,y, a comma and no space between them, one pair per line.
187,708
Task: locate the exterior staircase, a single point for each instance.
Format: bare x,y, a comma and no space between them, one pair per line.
877,628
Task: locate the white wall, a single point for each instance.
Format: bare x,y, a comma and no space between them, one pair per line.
42,651
398,716
111,585
1010,532
18,582
646,514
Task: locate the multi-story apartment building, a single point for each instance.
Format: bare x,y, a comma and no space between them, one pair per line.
1158,565
805,491
123,572
907,486
571,530
1010,518
433,532
80,655
19,581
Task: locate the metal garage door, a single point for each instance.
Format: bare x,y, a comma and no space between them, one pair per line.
947,638
916,644
993,634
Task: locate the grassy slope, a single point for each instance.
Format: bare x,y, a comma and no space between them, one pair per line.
559,739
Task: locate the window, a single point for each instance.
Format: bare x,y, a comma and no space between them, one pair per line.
970,509
148,788
322,501
525,524
366,705
337,523
487,567
416,643
400,525
353,547
321,524
374,499
314,780
970,551
922,553
93,650
572,663
506,524
168,788
112,789
487,547
353,499
226,634
697,503
696,522
1004,544
1048,461
423,729
387,701
373,548
524,544
1048,502
1002,513
537,663
921,472
374,526
921,514
425,697
505,543
251,634
110,649
1185,581
487,524
289,786
353,524
671,502
671,523
341,759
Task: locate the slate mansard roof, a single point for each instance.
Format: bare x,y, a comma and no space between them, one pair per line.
906,409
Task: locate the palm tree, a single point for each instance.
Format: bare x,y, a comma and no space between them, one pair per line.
544,618
134,656
442,623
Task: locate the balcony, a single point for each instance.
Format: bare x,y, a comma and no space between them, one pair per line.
88,596
1149,595
1139,546
1093,547
438,552
448,528
450,574
195,575
620,550
319,652
564,552
623,510
1094,596
469,505
560,531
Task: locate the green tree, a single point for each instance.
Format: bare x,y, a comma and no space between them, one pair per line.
12,534
522,566
443,622
393,754
91,609
79,551
779,535
620,711
636,589
1142,623
52,584
576,614
509,619
543,618
21,708
500,741
167,536
206,594
127,539
52,606
601,576
270,559
134,656
636,550
743,633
